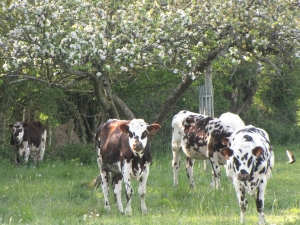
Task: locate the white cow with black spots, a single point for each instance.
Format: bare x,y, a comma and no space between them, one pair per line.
200,138
250,160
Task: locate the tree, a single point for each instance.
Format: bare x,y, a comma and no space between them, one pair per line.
67,43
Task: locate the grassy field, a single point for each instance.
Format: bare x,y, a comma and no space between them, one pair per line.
60,192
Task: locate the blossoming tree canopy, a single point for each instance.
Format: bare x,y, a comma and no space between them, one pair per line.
63,42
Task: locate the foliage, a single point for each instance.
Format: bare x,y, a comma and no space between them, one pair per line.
61,192
83,154
142,51
49,42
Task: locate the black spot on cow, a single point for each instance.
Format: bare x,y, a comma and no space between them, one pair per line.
247,138
250,162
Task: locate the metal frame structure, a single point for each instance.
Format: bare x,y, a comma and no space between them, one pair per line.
206,100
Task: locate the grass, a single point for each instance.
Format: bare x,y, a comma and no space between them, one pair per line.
60,192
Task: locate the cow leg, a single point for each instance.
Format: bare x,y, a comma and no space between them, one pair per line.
42,146
127,170
142,188
241,195
17,156
27,152
260,199
105,175
117,187
175,163
189,170
35,157
216,173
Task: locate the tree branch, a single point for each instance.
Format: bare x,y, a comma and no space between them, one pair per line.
185,84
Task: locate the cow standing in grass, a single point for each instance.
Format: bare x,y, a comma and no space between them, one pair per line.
124,153
250,160
200,137
29,138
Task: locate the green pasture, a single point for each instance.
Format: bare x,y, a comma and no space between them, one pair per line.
60,191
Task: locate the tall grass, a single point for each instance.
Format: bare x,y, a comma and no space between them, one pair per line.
60,191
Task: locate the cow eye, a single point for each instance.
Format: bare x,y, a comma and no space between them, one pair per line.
144,134
130,134
20,130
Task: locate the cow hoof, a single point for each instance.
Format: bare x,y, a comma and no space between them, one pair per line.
144,212
128,212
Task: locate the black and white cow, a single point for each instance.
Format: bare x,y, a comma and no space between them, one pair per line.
200,137
250,160
124,153
29,138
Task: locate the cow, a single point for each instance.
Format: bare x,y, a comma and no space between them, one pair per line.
124,154
29,138
233,120
200,138
250,160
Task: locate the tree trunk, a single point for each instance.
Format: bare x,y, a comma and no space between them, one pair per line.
123,107
103,94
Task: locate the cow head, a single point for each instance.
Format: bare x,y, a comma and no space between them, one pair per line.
17,132
138,132
242,158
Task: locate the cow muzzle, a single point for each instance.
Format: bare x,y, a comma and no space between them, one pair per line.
137,146
243,175
17,140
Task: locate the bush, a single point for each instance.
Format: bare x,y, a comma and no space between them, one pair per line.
81,153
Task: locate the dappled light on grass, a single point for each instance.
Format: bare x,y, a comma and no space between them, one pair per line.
60,192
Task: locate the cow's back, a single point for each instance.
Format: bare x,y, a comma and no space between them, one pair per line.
180,123
233,120
33,133
113,141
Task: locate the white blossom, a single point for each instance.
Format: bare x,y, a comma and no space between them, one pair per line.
5,66
123,68
189,63
161,54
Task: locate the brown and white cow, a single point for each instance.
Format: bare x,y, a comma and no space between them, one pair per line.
250,160
200,138
124,154
29,138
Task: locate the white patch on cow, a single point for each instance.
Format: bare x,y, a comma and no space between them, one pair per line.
137,127
18,129
232,120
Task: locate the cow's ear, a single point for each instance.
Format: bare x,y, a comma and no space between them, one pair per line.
11,125
257,151
225,141
25,125
227,152
124,128
153,128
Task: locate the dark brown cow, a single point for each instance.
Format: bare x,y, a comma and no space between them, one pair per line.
29,139
124,153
